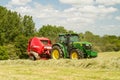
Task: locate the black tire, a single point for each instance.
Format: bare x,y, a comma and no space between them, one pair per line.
32,58
76,54
56,52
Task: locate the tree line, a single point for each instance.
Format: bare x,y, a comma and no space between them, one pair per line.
16,30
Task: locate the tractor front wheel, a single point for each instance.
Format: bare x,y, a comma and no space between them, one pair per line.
56,52
76,54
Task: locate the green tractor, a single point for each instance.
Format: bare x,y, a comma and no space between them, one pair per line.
69,46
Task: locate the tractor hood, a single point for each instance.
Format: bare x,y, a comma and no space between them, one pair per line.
83,43
85,47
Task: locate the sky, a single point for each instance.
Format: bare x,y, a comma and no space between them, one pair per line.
101,17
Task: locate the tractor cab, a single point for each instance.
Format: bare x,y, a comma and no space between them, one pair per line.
68,38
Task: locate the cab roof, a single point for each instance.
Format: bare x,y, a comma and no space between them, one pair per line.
68,34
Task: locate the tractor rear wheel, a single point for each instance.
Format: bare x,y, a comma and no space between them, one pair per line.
76,54
56,52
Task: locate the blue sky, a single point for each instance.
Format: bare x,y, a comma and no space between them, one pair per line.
98,16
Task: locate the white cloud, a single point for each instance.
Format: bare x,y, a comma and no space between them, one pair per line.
108,2
97,9
78,18
24,10
41,11
108,29
70,18
84,13
90,2
117,18
77,2
20,2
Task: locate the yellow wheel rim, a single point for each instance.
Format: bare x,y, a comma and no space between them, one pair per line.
74,55
55,54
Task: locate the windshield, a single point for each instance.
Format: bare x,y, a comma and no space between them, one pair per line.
62,38
74,38
69,37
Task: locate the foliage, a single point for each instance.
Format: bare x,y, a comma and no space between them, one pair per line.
102,44
51,31
21,46
12,26
10,23
3,53
10,48
28,26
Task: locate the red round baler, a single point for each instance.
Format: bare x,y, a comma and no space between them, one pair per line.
39,47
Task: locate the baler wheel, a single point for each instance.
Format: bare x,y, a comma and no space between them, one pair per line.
32,58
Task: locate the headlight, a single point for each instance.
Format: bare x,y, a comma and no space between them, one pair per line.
87,46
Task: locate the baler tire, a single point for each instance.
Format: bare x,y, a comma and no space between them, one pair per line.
56,52
32,58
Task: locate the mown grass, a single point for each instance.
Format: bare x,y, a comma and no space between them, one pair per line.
105,67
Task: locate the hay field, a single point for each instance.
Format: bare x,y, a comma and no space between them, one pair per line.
105,67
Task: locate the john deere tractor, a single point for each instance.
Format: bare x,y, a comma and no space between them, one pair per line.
69,46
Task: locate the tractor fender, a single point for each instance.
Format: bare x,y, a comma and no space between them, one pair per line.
61,47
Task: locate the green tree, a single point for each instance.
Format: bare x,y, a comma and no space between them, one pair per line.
51,31
3,12
28,26
3,53
12,26
21,43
